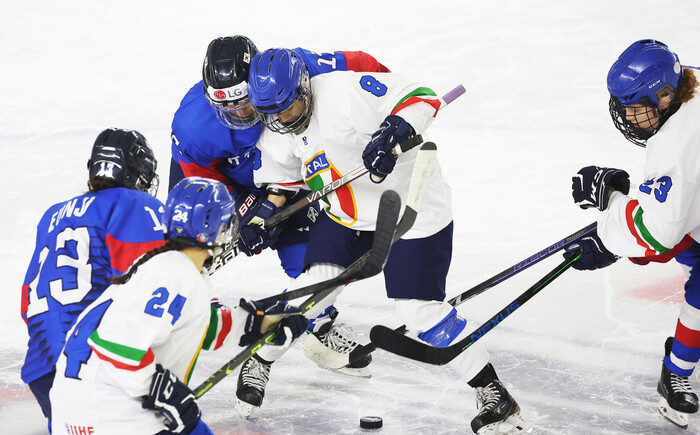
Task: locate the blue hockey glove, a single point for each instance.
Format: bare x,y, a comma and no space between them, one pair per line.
378,156
591,186
175,400
292,324
594,255
252,238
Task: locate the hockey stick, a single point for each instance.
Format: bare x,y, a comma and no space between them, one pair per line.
365,267
402,345
423,167
231,250
363,350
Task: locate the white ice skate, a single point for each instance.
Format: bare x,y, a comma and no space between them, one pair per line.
325,348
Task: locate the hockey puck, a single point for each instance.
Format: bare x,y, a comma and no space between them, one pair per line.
371,422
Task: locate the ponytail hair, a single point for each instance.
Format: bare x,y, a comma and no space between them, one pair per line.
688,86
170,245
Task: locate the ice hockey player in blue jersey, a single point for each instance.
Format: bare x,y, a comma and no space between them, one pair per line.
82,243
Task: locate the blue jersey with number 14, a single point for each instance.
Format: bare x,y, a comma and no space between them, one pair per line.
80,245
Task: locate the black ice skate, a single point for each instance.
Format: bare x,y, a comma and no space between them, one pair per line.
497,406
332,342
252,381
678,399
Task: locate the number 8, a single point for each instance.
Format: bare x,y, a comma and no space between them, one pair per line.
373,86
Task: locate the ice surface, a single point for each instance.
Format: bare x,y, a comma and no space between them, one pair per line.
583,357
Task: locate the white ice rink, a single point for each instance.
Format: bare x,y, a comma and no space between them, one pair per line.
582,357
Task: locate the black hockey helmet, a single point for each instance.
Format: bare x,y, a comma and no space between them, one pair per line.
124,157
225,78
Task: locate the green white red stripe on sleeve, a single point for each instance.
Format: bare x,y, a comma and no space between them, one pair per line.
420,95
635,223
121,356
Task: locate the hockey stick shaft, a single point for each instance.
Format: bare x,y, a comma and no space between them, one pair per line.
370,265
524,264
402,345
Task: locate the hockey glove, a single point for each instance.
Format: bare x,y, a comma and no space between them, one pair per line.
594,255
173,399
591,186
252,238
264,315
378,156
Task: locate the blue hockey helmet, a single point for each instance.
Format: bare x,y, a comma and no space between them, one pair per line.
280,89
200,211
124,157
646,71
642,71
225,78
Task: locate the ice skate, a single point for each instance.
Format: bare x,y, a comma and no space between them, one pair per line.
252,381
677,398
497,406
334,341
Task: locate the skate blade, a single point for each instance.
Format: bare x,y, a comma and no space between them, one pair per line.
245,409
512,425
680,419
331,360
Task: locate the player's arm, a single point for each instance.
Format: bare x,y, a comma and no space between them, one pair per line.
339,61
134,228
247,322
411,108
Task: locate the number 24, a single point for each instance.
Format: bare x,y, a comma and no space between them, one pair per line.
159,299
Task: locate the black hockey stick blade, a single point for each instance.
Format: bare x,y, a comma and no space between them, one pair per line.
399,344
368,265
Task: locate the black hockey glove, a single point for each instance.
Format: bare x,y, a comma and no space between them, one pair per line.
263,315
378,156
252,238
591,186
594,255
173,399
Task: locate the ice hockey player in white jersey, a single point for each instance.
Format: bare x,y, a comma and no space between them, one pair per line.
652,103
128,359
335,123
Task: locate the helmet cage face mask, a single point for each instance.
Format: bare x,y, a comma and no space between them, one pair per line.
643,74
300,110
225,77
232,106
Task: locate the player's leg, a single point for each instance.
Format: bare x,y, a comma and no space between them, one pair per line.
41,388
682,355
415,275
328,242
332,248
